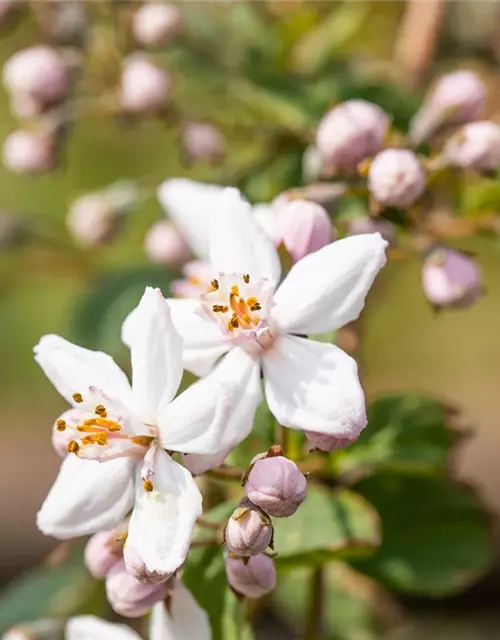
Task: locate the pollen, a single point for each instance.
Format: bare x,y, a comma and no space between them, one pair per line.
148,486
61,424
77,397
254,304
234,323
144,441
214,285
73,446
246,278
220,308
234,290
100,410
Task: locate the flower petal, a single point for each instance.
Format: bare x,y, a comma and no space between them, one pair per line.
73,369
185,621
238,244
198,463
327,289
156,355
190,204
92,628
87,497
162,522
216,412
313,386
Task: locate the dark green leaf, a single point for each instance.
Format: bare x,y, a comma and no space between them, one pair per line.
436,536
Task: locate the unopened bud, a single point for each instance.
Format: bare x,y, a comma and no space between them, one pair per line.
351,132
451,278
202,141
359,226
165,245
251,578
37,74
29,151
156,23
197,277
456,98
475,146
304,227
145,88
91,220
248,531
326,442
102,553
128,596
396,178
277,486
37,630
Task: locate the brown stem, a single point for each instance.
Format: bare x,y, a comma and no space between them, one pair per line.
315,619
209,525
226,473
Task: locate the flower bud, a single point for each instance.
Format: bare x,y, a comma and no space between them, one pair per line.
475,146
28,152
202,141
253,578
365,224
145,88
197,276
277,486
456,98
351,132
396,178
128,596
451,278
156,23
248,531
63,430
165,245
91,220
326,442
304,227
38,74
102,553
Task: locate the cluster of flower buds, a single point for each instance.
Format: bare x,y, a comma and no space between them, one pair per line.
274,487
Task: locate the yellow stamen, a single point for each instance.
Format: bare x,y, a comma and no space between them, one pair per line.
214,285
144,441
61,424
234,290
234,323
148,486
220,308
73,446
77,397
100,410
254,304
246,278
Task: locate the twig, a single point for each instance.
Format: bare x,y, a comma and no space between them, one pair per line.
315,619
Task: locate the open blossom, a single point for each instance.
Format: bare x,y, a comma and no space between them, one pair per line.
248,324
118,437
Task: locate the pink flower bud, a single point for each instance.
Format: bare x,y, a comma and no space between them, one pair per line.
456,98
351,132
128,596
28,152
248,531
63,430
197,276
156,23
475,146
277,486
451,278
202,141
396,178
145,88
326,442
91,220
253,578
102,553
304,227
38,74
165,245
387,230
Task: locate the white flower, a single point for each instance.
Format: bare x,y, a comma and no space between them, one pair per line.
256,326
184,620
120,434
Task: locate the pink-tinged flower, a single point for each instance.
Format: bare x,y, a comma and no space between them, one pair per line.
118,458
202,141
303,227
396,178
128,596
164,244
451,278
277,486
145,88
102,552
325,442
456,98
349,133
248,531
37,76
28,151
156,23
250,325
475,146
251,577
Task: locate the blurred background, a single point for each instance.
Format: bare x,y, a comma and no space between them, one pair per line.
262,73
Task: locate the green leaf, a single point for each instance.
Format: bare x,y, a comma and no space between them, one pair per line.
50,592
436,536
405,434
480,195
329,524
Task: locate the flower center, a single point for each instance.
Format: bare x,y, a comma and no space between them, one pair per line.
240,306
